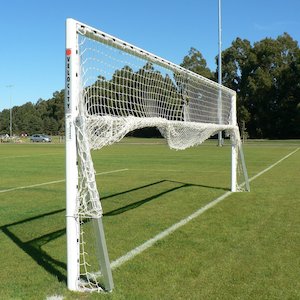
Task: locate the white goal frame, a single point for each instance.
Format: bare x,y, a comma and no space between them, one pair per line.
72,99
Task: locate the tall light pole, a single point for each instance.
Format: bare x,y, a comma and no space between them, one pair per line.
10,111
220,140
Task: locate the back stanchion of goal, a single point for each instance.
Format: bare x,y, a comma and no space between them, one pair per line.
102,254
237,154
234,147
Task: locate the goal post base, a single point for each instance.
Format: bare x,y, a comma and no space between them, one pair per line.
102,255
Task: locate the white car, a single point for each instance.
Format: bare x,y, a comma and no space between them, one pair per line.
40,138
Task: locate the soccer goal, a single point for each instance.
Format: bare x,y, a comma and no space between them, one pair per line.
112,88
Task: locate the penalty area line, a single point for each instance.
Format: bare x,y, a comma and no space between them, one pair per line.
134,252
54,182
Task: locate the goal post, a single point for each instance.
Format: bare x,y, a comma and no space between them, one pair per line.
73,222
71,112
112,88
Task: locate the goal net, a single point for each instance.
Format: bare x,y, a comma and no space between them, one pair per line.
112,88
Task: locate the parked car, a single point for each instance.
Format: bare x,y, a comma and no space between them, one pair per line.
40,138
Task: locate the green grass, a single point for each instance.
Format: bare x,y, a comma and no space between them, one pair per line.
246,247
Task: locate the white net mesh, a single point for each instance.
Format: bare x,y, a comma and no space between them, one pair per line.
124,88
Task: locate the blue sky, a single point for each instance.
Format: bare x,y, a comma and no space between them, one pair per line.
32,44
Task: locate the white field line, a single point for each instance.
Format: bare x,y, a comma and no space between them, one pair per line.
275,164
55,297
131,254
145,143
29,155
54,182
178,171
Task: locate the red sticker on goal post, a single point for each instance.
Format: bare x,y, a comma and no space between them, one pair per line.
68,52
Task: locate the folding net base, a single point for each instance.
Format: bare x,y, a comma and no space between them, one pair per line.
112,88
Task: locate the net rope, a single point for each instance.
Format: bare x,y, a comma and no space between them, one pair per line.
125,88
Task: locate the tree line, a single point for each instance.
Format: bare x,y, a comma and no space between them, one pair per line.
265,75
45,116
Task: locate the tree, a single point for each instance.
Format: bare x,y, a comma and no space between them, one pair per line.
266,78
237,63
195,62
46,116
4,122
27,119
272,87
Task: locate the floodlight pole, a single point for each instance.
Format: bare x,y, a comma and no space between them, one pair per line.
10,111
220,140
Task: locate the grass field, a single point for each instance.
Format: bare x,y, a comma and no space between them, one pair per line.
245,247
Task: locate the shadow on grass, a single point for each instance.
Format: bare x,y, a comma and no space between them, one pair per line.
33,248
148,199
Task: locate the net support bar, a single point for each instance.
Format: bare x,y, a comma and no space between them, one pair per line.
234,150
102,254
237,153
242,158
